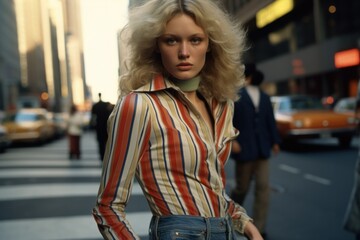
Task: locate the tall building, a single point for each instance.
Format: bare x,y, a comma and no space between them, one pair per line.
42,48
37,37
78,93
9,56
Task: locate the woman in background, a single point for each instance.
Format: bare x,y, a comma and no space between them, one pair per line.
75,130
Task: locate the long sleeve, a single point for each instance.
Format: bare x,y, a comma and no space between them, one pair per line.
129,127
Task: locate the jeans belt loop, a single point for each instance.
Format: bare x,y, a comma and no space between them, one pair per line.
229,226
156,223
208,228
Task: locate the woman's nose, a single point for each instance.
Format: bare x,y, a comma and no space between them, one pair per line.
183,51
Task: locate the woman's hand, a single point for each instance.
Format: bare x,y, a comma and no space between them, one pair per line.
251,232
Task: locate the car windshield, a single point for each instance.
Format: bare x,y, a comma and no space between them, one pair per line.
26,117
300,104
306,103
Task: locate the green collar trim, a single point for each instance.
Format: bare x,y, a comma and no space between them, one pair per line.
187,85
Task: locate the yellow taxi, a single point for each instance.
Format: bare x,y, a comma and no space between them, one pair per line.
29,125
4,139
304,117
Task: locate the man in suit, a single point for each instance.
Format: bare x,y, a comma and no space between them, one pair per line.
254,118
100,114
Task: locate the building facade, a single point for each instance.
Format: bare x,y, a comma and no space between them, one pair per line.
10,77
297,48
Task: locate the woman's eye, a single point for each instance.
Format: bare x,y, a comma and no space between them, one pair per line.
170,41
196,40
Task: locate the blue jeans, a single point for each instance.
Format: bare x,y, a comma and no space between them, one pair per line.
192,227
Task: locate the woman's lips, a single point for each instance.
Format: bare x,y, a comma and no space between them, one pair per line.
184,66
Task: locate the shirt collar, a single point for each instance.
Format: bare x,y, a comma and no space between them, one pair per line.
158,83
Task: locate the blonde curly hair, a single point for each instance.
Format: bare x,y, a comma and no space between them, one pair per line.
222,74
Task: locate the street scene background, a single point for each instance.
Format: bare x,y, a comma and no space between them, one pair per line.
44,195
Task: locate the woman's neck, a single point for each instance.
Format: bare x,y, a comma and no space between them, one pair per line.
187,85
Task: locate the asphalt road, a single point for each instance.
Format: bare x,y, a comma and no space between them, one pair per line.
311,184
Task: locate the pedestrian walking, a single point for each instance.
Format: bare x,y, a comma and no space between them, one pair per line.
100,113
75,130
254,118
172,127
352,215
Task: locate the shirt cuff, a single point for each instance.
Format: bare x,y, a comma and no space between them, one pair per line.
240,223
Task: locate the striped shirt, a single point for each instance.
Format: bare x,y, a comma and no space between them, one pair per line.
157,136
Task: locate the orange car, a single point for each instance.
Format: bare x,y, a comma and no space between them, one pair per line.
301,117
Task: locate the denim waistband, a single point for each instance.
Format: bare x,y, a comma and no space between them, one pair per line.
207,224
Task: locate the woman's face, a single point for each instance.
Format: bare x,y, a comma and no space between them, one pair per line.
183,47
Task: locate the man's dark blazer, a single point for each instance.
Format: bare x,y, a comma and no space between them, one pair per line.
258,131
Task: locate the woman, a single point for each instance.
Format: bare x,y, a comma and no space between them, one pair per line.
75,130
172,127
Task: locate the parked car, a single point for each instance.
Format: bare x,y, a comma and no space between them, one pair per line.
29,125
4,138
304,117
347,106
59,123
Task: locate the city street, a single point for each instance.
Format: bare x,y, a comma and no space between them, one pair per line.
44,196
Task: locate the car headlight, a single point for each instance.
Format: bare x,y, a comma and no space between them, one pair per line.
298,123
